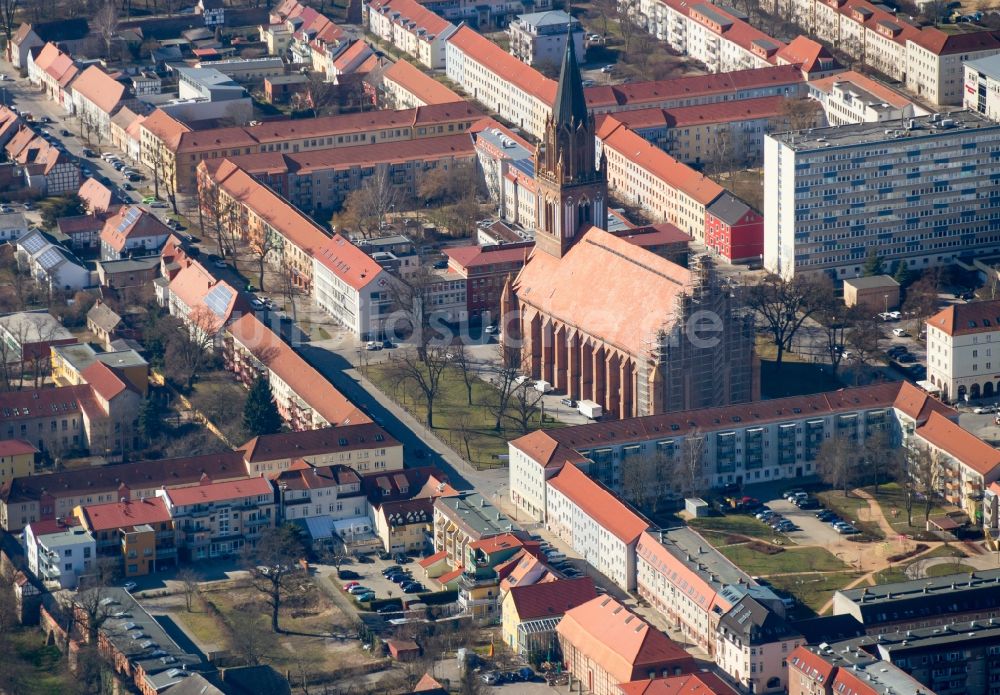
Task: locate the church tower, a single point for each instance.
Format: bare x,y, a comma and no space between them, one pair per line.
572,186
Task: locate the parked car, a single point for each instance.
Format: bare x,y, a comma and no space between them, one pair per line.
847,530
358,589
401,558
89,153
129,586
983,409
896,350
491,678
348,574
808,503
413,588
900,333
568,402
386,344
220,264
490,330
366,597
28,205
371,346
906,358
765,515
349,585
789,494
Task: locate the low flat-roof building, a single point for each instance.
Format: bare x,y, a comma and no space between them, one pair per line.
463,519
875,293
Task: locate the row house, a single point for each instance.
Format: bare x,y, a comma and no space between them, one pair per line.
361,445
305,399
293,25
132,231
43,167
928,60
487,15
47,497
320,181
508,164
54,71
176,150
721,38
960,351
96,97
407,87
17,459
307,491
218,519
644,175
125,132
777,439
70,33
412,28
597,525
138,533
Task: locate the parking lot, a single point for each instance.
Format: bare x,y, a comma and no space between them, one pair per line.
371,576
811,531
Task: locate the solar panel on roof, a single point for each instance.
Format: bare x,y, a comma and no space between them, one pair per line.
128,220
218,299
33,244
50,259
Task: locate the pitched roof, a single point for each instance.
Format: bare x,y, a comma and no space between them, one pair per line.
811,665
809,53
967,319
500,62
643,293
165,128
96,196
419,83
677,175
129,224
620,642
918,404
946,43
349,263
104,316
99,88
307,383
551,599
194,285
306,476
599,504
217,492
420,481
701,683
43,402
16,447
356,51
113,515
56,64
754,623
960,444
137,475
325,440
684,579
474,255
570,107
103,380
412,16
873,87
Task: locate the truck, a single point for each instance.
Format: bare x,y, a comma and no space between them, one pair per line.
590,409
543,386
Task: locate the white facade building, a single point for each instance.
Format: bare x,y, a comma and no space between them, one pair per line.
50,264
918,193
540,37
595,523
753,645
411,28
963,351
850,97
13,226
351,286
59,554
982,86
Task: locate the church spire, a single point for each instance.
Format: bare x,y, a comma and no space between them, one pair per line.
570,103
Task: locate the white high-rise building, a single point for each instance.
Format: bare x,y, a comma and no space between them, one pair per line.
923,191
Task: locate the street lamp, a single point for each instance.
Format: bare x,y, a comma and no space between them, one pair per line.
886,297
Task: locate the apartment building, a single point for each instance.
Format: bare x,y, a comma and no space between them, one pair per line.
765,440
56,495
138,533
595,524
352,287
734,230
363,446
530,613
818,670
917,193
217,519
485,270
407,87
96,97
204,304
539,38
720,37
54,71
308,491
931,602
17,460
850,97
604,644
132,231
175,149
750,633
305,399
965,465
982,87
319,181
642,174
463,519
59,552
401,505
411,27
960,341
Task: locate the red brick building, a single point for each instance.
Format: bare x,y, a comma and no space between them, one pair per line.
485,269
734,230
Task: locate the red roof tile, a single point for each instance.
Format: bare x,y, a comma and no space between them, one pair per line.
809,53
217,492
599,504
103,380
325,440
876,89
967,319
500,62
474,256
918,404
419,84
99,88
703,683
551,599
114,515
960,444
16,447
412,15
349,263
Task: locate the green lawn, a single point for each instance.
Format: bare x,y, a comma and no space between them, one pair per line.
203,625
813,590
948,568
452,413
793,560
43,670
854,509
890,497
890,576
740,524
945,551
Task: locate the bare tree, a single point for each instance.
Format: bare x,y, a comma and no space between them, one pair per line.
689,465
191,343
105,22
8,13
801,114
929,473
322,96
880,457
189,579
835,324
837,462
785,305
461,359
628,14
365,209
261,247
524,405
164,174
410,297
908,482
219,217
866,338
274,566
922,298
425,374
249,637
643,477
505,382
465,431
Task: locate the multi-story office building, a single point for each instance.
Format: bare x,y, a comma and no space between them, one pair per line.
923,193
539,38
982,86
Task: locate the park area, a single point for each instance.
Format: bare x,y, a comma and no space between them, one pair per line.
470,429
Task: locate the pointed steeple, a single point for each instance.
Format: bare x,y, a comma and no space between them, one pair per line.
570,103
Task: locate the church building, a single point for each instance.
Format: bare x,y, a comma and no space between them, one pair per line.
605,320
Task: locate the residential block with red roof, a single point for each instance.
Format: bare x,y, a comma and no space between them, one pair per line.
959,354
17,459
701,683
604,644
54,70
217,519
778,438
402,506
305,398
132,231
965,465
412,28
364,446
96,97
850,97
407,86
352,287
332,493
43,168
137,533
485,270
818,670
531,612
